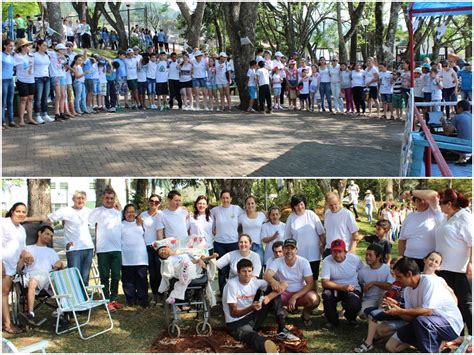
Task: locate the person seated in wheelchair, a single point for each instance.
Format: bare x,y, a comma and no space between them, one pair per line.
37,273
181,265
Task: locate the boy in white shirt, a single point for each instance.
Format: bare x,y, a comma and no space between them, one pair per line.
263,80
386,90
276,81
162,81
151,80
252,89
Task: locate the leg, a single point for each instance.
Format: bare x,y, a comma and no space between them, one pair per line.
141,284
154,270
30,298
104,272
246,334
128,284
6,286
352,305
85,266
219,248
38,94
44,97
330,304
115,266
430,331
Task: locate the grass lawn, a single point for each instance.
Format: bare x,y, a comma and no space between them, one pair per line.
136,329
107,53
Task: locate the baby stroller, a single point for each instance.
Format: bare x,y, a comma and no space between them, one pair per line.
195,302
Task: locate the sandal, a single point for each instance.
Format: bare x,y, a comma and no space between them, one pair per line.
306,320
363,348
12,330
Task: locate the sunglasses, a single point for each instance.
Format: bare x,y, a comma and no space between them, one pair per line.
443,202
154,202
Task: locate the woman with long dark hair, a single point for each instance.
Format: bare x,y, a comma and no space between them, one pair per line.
201,221
8,87
42,82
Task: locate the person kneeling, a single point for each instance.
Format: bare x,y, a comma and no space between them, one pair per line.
45,261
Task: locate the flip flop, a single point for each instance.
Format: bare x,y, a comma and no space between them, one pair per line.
21,124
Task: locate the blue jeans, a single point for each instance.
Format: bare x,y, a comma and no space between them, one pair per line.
41,95
368,211
257,248
325,90
80,96
8,90
222,249
82,259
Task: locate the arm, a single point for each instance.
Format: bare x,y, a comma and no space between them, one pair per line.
408,314
160,234
274,284
335,286
383,285
401,247
355,239
236,313
322,241
429,196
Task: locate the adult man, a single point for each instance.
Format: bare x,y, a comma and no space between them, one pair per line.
77,237
245,309
45,261
174,221
372,81
108,221
339,223
277,250
161,38
460,124
374,277
295,272
20,26
429,308
339,280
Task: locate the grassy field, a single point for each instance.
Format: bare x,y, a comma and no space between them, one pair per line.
136,329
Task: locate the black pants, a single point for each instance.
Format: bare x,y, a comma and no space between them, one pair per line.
154,269
283,90
351,302
86,40
358,95
135,284
222,249
175,93
448,95
264,95
111,97
462,288
350,206
20,33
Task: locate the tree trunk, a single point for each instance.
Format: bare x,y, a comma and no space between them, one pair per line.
343,57
379,29
324,185
220,41
55,20
100,186
354,47
391,30
389,190
39,196
239,188
116,21
194,21
140,195
341,188
241,21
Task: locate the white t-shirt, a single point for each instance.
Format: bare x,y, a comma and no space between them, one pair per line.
13,243
132,68
426,82
199,69
276,80
453,240
293,275
203,228
44,257
305,81
108,232
226,222
174,223
346,79
432,293
253,227
42,62
382,274
279,65
370,75
241,295
358,78
56,67
325,77
133,244
161,71
221,70
339,225
233,257
448,78
173,71
76,226
263,77
344,273
185,72
151,70
79,72
436,91
268,230
23,63
386,86
141,73
418,230
335,73
305,229
95,71
150,225
251,76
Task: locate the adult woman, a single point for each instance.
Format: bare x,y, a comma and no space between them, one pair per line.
231,259
358,84
134,259
42,82
369,205
306,228
25,80
8,87
405,80
223,80
372,82
186,82
58,77
199,74
324,83
149,219
335,74
251,223
201,222
450,84
226,222
85,33
13,249
454,237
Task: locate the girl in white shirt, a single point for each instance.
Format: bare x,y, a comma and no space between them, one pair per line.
42,82
276,82
134,259
151,81
201,222
358,85
304,90
314,88
186,82
25,81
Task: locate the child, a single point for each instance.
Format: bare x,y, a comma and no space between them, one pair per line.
314,87
272,232
95,83
346,87
150,79
304,90
142,81
102,86
418,89
78,85
382,230
397,98
211,84
276,81
252,89
436,84
111,95
292,76
263,80
162,81
121,78
386,90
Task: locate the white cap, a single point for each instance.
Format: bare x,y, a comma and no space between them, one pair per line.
418,70
60,46
198,53
279,54
130,50
223,54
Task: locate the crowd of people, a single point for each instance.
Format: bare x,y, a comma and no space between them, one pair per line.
422,298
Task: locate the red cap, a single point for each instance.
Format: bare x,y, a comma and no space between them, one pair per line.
338,245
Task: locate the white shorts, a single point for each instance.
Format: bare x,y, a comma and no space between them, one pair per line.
10,266
41,278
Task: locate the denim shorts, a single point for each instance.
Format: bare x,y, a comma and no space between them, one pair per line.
122,87
151,86
253,92
276,91
221,86
199,83
386,98
59,80
96,86
212,86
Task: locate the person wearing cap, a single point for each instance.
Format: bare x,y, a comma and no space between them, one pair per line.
335,74
162,81
292,276
324,84
8,87
57,69
42,82
199,74
339,223
132,63
223,80
340,283
418,88
466,82
370,204
277,62
173,81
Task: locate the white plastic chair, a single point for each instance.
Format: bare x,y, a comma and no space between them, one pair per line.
8,347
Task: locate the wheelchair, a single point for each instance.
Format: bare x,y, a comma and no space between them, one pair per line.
195,302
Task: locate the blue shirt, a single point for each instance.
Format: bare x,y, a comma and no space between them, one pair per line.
466,80
122,69
112,75
161,36
7,66
463,123
87,67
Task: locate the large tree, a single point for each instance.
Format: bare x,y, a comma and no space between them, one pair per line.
193,21
55,20
355,15
39,197
90,13
239,188
100,185
114,18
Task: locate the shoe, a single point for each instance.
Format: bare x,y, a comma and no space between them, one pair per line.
127,107
140,107
117,305
39,119
57,118
110,307
270,347
112,109
13,125
363,348
12,330
217,109
134,107
286,335
353,323
28,319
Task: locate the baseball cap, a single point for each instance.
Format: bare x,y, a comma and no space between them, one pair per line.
291,62
338,245
197,54
418,70
290,242
129,51
223,54
279,54
60,46
427,66
136,48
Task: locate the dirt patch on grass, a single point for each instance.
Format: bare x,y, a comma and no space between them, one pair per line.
221,342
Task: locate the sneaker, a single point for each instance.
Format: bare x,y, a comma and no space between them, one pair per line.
286,335
363,348
111,307
207,109
39,119
134,107
112,109
47,118
270,347
140,107
117,305
217,109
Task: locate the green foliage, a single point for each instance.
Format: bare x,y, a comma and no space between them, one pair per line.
23,8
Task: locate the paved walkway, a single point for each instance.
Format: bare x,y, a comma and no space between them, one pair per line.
212,144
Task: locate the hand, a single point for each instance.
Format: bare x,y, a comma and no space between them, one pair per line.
367,287
406,194
292,303
469,271
257,306
275,286
266,300
139,220
349,288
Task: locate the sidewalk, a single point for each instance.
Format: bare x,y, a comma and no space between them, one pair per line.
213,144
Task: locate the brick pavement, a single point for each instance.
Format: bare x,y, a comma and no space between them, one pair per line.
212,144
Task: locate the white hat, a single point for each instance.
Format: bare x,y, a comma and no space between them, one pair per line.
129,51
60,46
279,54
223,54
198,53
418,70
